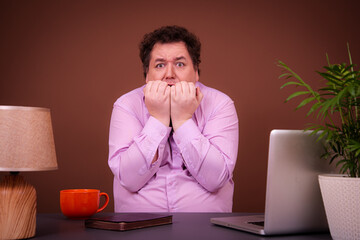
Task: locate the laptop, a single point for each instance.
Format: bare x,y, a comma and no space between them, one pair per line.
293,199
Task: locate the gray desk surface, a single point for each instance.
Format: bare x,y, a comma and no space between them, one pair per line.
185,226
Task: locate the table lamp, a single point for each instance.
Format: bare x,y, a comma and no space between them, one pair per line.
26,144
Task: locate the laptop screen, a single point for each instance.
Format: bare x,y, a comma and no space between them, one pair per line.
293,198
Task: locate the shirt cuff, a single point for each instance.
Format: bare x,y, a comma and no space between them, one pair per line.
157,134
185,133
156,130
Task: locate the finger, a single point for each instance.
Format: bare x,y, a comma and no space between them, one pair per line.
148,87
167,90
185,87
162,87
199,95
156,86
172,91
178,89
192,89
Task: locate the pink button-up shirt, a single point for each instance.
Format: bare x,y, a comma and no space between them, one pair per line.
193,172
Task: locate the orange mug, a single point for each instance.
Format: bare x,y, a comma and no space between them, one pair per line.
81,203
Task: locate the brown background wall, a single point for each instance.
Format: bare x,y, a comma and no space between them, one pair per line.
78,57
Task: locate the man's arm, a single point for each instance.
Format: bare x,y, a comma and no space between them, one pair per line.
185,99
210,155
134,148
157,101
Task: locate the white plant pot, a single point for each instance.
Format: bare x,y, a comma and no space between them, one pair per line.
341,196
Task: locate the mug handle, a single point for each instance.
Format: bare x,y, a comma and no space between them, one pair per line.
106,201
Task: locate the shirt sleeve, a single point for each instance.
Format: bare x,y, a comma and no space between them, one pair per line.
210,154
133,146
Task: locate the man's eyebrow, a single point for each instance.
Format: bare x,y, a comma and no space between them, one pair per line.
175,59
159,60
180,58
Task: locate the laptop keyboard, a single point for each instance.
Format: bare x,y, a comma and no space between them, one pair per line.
261,223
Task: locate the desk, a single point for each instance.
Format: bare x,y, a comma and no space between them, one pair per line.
185,226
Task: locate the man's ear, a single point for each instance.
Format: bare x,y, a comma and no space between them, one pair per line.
197,76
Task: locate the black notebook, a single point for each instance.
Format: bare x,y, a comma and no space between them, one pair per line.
128,221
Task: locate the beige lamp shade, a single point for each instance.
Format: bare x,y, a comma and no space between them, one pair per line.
26,139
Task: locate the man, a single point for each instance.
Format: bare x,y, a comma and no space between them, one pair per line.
173,142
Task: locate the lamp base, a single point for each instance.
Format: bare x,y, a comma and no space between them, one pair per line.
17,208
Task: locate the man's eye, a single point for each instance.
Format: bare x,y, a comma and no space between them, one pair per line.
180,64
160,65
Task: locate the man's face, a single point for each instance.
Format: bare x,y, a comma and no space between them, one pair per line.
171,62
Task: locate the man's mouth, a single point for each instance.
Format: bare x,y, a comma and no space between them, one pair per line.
170,83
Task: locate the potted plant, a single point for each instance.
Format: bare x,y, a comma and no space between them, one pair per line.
336,106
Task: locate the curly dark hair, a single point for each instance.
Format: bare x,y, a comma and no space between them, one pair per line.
170,34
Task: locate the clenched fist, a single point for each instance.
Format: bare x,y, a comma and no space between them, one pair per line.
157,100
185,99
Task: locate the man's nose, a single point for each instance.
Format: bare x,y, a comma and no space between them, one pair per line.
169,71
